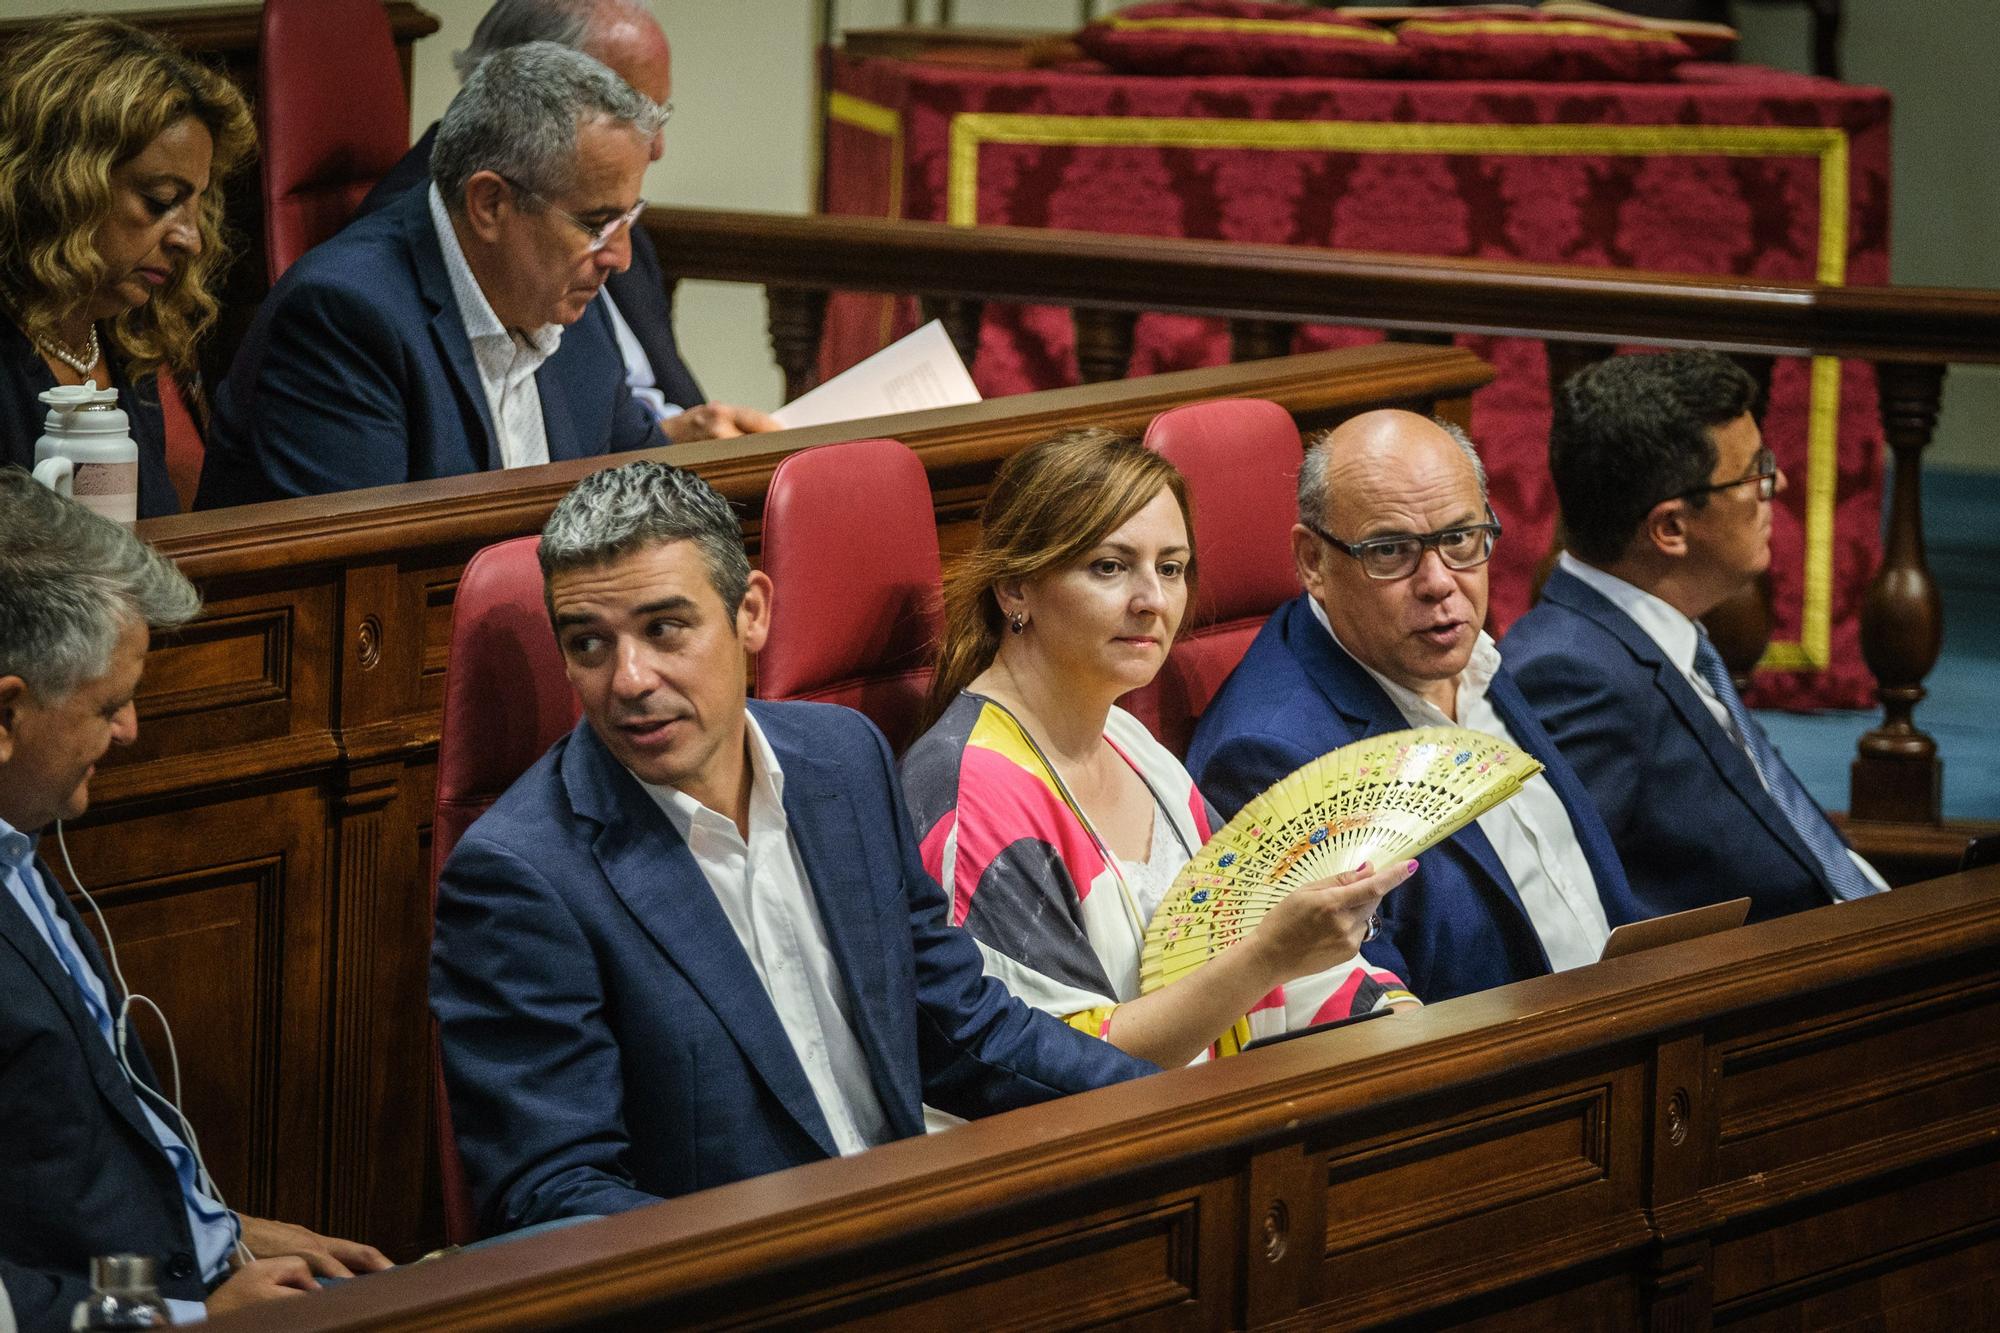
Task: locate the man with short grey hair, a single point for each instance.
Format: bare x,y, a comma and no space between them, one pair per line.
1392,544
623,35
695,942
98,1160
455,331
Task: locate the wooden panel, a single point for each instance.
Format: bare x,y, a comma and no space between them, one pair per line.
1797,1256
1135,1266
1915,1064
215,925
1479,1199
245,691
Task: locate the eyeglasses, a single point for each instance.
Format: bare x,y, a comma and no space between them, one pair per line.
1397,557
1763,471
600,233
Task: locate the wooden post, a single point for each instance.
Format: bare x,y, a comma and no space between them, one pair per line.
1103,343
797,314
1259,339
1897,775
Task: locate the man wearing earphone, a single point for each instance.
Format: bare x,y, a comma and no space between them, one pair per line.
98,1160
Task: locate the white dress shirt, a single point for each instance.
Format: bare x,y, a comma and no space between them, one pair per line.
1677,638
507,360
762,887
639,376
1530,832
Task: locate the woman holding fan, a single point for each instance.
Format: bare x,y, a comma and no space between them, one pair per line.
1053,820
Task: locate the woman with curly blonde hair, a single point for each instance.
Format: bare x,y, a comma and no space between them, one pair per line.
110,225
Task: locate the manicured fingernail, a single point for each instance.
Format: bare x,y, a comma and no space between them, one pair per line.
1364,868
1409,867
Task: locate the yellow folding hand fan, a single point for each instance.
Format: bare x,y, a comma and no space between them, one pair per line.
1380,800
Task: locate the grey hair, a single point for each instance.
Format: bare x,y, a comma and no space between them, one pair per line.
518,115
1313,470
518,22
625,509
70,583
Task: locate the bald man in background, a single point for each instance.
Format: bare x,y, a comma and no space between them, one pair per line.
626,38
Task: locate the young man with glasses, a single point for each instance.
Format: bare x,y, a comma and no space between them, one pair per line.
456,330
1392,545
1666,492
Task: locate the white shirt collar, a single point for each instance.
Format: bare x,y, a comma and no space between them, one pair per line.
1677,636
1472,682
767,791
482,326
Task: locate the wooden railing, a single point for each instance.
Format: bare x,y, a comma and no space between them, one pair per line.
1790,1126
262,851
1909,335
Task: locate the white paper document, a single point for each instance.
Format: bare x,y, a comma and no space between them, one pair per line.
909,375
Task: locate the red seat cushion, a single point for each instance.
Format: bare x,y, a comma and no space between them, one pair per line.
506,701
1240,37
332,117
1240,457
850,544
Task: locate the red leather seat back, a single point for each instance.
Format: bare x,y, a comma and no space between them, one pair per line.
185,449
331,114
506,701
1240,457
850,543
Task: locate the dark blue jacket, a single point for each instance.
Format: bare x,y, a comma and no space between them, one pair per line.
82,1174
1683,804
1455,926
640,291
357,372
607,1042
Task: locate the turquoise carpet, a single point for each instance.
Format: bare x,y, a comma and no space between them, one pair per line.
1962,532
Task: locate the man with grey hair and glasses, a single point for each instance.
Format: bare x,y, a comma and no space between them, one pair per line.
1392,544
98,1161
695,942
625,36
455,331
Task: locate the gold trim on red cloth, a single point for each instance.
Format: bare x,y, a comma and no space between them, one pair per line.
1253,27
1616,32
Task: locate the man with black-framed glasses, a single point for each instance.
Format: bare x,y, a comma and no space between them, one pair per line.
1392,544
1666,490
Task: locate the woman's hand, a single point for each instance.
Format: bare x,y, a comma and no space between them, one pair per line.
1322,923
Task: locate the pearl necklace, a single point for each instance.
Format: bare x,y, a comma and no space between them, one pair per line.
69,358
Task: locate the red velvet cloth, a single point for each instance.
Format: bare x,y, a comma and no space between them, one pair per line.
1720,171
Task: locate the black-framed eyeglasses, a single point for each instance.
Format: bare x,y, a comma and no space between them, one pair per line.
1763,471
600,233
1397,557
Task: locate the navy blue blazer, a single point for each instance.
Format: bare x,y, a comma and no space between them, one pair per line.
1685,807
357,372
1457,925
607,1042
82,1174
640,291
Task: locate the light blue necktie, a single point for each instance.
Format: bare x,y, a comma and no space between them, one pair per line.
1794,802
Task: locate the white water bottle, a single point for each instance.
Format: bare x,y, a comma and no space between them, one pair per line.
86,451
